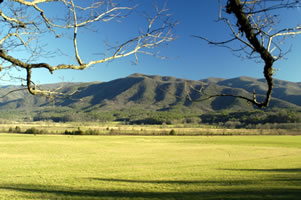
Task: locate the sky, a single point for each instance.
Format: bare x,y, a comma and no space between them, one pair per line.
187,57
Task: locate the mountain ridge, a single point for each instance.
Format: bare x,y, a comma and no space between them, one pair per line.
156,93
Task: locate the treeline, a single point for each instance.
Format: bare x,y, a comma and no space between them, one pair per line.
126,116
89,131
37,131
283,119
254,117
138,116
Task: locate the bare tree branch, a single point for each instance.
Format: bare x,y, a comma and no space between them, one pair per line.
256,30
24,23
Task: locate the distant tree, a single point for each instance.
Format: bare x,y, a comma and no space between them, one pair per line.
26,25
256,34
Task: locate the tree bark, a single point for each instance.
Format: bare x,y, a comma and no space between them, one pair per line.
235,7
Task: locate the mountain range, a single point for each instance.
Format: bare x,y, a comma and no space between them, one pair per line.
153,93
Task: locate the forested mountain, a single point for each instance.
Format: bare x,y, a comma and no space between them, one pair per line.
156,93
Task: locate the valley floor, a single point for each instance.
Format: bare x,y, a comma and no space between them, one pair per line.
93,128
139,167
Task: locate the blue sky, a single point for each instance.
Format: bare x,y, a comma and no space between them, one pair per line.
188,57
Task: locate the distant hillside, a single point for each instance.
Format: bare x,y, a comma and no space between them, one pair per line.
153,93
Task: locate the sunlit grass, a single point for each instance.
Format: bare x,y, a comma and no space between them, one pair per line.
150,167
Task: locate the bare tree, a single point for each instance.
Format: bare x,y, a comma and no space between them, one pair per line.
257,33
25,24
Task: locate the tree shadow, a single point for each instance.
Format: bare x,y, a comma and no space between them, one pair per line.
179,182
290,175
237,189
242,189
280,170
55,192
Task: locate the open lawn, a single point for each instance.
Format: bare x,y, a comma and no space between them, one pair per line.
150,167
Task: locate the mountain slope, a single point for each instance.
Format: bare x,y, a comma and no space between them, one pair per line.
155,93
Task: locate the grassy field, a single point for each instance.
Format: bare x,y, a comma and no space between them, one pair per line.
150,167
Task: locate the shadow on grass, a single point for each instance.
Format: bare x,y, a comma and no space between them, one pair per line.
54,192
281,170
178,182
290,175
255,189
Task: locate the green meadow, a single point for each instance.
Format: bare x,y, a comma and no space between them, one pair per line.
149,167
